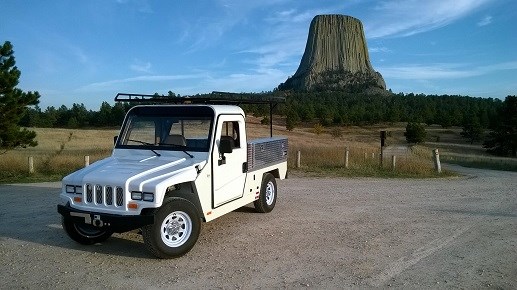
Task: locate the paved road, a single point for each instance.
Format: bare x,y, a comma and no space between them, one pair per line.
324,233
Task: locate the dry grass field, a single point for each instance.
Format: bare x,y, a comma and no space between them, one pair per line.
61,151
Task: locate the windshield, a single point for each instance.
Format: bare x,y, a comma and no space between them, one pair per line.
179,128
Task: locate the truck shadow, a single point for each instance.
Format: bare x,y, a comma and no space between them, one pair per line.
29,213
246,209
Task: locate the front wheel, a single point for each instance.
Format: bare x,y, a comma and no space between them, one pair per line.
175,230
85,234
268,193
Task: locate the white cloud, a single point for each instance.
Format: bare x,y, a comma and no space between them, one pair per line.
294,16
144,79
409,17
205,32
379,49
485,21
287,38
254,81
443,71
79,54
140,66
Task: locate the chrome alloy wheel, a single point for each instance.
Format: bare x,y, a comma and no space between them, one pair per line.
176,229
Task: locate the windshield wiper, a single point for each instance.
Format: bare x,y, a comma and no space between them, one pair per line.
145,143
141,142
191,156
177,146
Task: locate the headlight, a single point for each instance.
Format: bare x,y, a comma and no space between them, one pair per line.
74,189
136,195
148,196
145,196
70,188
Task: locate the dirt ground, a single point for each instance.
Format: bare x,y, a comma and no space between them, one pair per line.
324,233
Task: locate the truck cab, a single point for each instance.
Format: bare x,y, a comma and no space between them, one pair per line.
172,168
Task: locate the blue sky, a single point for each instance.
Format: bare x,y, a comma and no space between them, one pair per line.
87,51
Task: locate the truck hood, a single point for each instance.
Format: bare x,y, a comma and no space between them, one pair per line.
137,173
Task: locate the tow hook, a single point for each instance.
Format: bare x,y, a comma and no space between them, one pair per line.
97,221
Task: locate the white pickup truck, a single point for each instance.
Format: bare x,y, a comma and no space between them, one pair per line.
172,168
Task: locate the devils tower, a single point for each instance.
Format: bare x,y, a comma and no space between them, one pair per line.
335,58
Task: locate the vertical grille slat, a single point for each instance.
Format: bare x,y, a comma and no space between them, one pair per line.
98,194
120,196
109,195
89,193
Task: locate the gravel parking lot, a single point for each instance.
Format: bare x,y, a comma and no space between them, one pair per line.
324,233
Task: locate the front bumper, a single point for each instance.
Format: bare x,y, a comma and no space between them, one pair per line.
117,223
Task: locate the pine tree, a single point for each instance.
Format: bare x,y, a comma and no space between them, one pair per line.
472,129
415,133
503,140
13,104
291,120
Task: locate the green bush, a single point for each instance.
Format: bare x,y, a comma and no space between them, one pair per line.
415,133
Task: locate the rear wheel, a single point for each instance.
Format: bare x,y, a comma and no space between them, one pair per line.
85,234
268,193
175,230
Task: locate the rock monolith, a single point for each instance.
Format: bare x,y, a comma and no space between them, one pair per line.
335,58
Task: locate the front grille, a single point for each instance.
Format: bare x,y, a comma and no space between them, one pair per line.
108,195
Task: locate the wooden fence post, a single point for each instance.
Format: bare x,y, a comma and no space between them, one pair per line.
437,164
86,160
393,161
380,156
31,165
347,152
298,159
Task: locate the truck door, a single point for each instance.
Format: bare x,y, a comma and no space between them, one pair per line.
228,177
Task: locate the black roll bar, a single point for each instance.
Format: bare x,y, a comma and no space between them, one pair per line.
217,98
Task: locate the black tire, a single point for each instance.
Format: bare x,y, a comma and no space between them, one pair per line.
85,234
268,194
175,231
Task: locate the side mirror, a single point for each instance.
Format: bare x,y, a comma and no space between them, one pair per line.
115,140
225,146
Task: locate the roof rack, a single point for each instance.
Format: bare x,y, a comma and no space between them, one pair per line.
220,98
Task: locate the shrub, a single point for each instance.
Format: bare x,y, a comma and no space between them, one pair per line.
318,129
415,133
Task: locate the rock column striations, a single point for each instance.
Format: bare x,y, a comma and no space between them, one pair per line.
335,58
